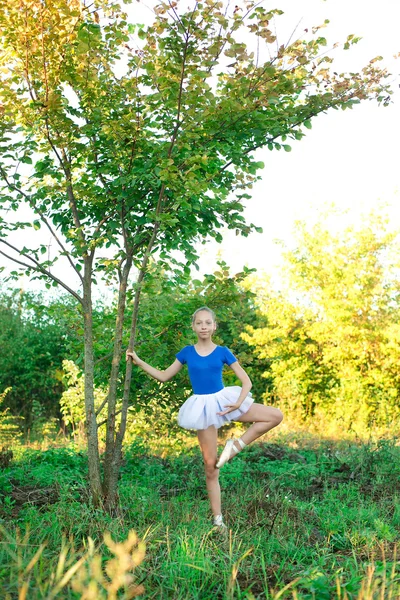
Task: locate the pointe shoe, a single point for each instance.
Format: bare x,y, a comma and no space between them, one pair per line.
230,448
219,522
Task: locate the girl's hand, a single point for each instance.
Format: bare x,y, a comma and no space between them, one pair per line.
228,409
133,356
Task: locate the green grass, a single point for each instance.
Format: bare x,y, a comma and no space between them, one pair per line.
320,517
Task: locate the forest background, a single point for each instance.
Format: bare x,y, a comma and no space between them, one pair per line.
324,348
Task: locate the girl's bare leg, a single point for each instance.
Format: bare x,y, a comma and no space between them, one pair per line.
263,418
208,443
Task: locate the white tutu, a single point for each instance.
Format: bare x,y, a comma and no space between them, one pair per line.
200,410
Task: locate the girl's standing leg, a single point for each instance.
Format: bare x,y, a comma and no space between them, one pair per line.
208,439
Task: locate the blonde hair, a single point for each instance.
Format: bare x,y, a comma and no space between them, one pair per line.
212,313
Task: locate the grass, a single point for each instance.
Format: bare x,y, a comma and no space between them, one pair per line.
308,518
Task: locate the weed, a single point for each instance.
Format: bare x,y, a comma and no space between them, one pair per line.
306,521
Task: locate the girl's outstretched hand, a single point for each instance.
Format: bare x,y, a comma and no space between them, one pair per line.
133,356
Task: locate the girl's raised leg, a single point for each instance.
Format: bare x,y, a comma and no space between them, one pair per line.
208,443
263,418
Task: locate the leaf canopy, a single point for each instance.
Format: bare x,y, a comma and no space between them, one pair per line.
118,135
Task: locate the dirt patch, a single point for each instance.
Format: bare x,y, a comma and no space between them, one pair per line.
166,492
270,451
31,495
274,452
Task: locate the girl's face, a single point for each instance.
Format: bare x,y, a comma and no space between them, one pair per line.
204,325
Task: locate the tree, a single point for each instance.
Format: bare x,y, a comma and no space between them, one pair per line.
297,378
334,350
127,142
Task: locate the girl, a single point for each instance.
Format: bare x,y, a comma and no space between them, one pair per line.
212,405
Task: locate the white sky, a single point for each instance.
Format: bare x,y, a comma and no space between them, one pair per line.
349,157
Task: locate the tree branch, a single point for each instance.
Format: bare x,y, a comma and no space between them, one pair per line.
46,82
100,225
102,405
128,375
294,125
42,217
39,268
118,412
180,93
67,171
32,93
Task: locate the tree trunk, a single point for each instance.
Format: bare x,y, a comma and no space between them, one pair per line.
115,462
91,424
109,481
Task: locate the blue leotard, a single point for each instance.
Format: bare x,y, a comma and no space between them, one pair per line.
205,372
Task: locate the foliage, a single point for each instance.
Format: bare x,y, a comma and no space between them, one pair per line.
91,581
333,342
84,574
299,510
72,401
10,426
41,426
30,360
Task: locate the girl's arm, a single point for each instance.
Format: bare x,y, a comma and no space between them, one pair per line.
155,373
246,387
